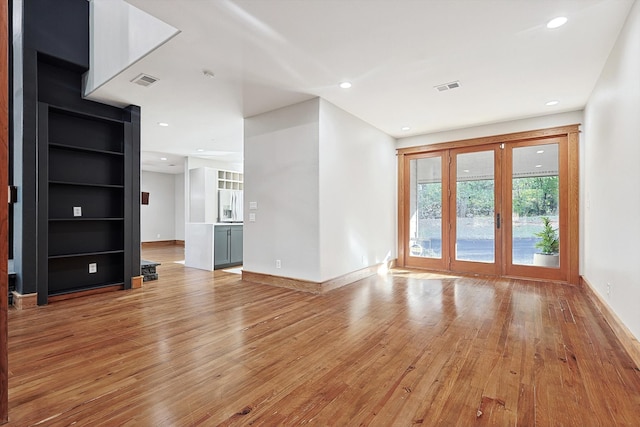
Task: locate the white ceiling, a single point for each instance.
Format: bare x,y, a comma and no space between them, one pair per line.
268,54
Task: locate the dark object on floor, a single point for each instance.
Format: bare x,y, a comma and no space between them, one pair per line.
148,270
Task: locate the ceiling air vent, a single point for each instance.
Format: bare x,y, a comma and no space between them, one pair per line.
447,86
144,80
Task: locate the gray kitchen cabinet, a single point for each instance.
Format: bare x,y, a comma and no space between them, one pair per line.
227,246
236,244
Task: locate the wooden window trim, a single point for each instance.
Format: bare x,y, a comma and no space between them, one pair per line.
487,140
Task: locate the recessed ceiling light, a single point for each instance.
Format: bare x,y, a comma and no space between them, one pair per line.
163,124
406,128
540,151
200,150
345,85
466,170
557,22
551,103
163,158
538,166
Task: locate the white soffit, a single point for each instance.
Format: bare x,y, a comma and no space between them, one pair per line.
120,35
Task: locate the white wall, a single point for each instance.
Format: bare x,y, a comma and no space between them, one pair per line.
179,201
357,193
203,194
324,182
281,175
612,202
157,219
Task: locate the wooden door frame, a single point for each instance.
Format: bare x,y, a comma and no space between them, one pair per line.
4,209
473,267
571,132
555,274
441,264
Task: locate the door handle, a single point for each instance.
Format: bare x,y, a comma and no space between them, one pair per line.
497,220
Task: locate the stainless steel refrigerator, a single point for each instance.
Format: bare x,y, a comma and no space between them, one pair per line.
230,205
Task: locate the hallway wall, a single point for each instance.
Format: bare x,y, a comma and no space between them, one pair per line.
612,178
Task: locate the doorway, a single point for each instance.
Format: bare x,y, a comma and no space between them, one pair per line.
499,206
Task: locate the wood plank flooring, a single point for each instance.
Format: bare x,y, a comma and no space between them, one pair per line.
196,348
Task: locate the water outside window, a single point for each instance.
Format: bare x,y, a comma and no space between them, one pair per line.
535,189
426,208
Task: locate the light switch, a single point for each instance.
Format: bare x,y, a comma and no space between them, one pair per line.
253,205
93,267
77,211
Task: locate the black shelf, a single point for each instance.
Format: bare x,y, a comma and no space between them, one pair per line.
88,150
85,219
88,167
84,288
77,237
71,274
85,130
86,184
96,201
85,254
83,114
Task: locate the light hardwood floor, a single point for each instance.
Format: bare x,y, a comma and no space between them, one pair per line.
408,348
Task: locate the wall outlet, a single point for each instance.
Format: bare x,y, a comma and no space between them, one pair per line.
93,267
253,205
278,264
77,211
252,217
609,288
158,235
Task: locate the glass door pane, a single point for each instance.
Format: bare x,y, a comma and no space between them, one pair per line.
535,201
475,238
425,208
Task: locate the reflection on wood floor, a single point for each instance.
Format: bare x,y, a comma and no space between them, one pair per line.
200,348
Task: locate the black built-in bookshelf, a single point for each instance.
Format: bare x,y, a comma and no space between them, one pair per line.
69,151
84,204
